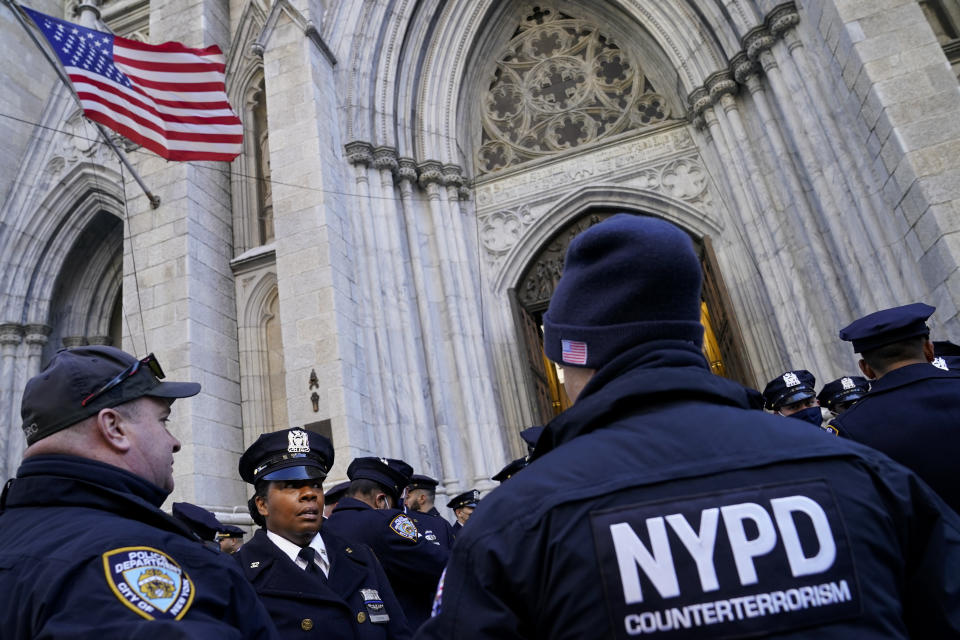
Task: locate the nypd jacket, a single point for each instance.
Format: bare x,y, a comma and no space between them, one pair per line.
661,505
912,414
351,602
433,527
85,552
412,564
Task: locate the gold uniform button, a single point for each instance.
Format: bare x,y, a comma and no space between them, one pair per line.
306,624
361,617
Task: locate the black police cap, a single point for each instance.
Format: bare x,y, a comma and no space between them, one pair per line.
229,531
337,491
789,387
530,436
885,327
843,390
54,399
418,481
200,521
290,454
510,470
465,499
391,474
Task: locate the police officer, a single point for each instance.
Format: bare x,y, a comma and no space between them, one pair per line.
86,551
463,506
841,394
662,504
792,394
368,515
419,499
913,409
332,496
230,538
310,580
201,522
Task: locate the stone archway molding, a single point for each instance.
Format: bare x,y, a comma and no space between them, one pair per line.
568,209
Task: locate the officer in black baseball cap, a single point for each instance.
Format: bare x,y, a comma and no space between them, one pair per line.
792,394
87,500
350,596
80,381
368,515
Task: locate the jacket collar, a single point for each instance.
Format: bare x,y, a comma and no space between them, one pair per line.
71,481
908,374
641,379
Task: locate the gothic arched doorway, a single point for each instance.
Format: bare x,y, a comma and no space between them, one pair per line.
723,344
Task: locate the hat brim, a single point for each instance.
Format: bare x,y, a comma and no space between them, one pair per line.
300,472
174,390
796,396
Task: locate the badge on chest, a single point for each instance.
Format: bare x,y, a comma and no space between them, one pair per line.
376,611
728,564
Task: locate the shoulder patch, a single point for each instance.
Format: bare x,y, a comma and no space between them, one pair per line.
149,582
403,526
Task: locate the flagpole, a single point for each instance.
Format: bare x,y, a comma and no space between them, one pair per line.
15,7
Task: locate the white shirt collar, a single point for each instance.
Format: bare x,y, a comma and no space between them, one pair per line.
293,551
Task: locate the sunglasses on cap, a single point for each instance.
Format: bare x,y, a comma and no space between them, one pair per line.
150,361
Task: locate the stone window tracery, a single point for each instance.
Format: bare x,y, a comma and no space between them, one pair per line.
561,84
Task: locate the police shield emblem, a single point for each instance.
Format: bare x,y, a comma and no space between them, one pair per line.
149,582
403,526
298,441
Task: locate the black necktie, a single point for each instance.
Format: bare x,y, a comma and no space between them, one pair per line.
307,554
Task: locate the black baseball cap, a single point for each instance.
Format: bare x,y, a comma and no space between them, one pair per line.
71,387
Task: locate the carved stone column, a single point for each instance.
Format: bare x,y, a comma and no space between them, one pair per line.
402,322
382,411
35,337
73,341
11,335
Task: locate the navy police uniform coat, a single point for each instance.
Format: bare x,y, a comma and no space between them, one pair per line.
85,552
307,605
912,414
412,564
433,527
661,505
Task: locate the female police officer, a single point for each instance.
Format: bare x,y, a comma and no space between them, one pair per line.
310,580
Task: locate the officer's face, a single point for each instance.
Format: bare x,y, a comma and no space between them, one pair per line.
790,409
293,509
152,446
463,514
412,499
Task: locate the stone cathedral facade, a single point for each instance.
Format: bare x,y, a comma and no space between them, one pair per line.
375,264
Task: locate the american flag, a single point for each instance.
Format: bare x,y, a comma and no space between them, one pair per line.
168,98
573,352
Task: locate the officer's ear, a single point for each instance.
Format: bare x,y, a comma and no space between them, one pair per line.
261,502
928,350
111,425
867,370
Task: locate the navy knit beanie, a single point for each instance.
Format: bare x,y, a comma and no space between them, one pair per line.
627,280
